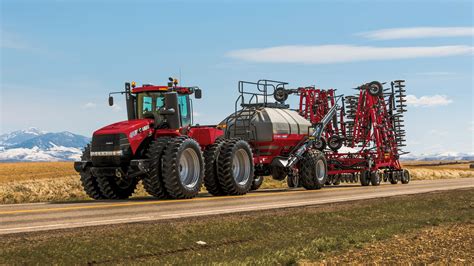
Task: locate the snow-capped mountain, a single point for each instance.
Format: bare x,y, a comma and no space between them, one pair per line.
36,145
17,137
442,156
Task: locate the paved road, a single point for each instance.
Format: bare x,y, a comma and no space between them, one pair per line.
18,218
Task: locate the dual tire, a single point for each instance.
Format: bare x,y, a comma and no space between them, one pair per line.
230,168
105,187
176,168
313,170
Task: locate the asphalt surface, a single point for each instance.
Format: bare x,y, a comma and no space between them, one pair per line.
20,218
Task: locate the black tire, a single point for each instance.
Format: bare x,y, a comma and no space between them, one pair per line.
329,180
313,170
153,181
375,178
183,168
375,88
232,182
365,178
335,142
293,181
392,177
257,182
405,176
211,182
320,144
280,94
88,181
114,188
278,173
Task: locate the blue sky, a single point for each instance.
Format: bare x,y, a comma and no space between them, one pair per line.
59,59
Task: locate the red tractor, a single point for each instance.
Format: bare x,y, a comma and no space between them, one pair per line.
159,145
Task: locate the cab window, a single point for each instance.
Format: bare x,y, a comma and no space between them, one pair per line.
147,104
183,102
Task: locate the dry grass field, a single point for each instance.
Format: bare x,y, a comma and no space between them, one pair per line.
57,181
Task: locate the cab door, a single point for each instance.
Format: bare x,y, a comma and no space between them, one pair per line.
185,110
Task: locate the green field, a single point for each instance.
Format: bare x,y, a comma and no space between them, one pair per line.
287,236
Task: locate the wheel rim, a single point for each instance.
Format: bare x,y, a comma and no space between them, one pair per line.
189,168
241,167
320,170
374,89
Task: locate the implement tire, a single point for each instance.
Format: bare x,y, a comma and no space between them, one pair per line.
235,167
211,182
88,181
365,178
375,178
153,181
405,176
313,170
257,182
183,168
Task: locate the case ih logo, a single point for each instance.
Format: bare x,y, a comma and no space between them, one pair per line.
138,131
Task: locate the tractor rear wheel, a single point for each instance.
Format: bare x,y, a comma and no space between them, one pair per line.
313,171
235,167
88,181
257,182
375,178
211,182
113,187
153,181
405,176
183,168
365,178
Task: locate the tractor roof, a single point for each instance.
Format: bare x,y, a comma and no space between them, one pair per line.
152,88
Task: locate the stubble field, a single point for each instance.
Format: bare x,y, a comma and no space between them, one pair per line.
57,181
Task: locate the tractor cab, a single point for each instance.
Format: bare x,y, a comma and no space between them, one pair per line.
170,106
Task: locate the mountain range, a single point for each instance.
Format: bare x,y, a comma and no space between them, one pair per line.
34,144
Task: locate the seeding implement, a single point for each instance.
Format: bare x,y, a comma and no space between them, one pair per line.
160,146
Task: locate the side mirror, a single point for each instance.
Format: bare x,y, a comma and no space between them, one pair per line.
111,101
170,111
197,93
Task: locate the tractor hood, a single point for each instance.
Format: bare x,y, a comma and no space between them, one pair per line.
135,131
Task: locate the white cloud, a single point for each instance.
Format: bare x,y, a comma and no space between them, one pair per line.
327,54
428,101
418,32
89,105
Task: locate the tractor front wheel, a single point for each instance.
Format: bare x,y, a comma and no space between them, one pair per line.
183,168
113,187
153,181
313,171
88,181
235,167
